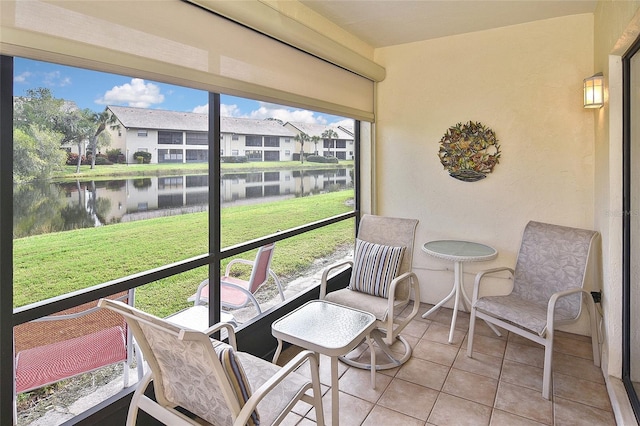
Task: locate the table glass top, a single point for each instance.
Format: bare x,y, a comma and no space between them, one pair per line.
459,250
324,323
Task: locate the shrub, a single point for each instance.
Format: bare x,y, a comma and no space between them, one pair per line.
115,155
321,159
234,159
72,159
103,160
142,157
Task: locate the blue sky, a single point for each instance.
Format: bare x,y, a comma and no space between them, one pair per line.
95,90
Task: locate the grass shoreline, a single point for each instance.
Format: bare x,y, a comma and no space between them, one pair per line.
132,170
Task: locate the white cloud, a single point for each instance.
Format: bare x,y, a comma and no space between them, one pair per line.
347,123
138,93
201,109
230,111
55,79
286,114
267,110
22,78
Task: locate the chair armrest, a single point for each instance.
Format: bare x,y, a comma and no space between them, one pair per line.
267,386
480,275
245,291
551,306
230,332
198,295
278,284
325,274
236,261
414,284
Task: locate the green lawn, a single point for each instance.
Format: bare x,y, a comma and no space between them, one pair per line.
53,264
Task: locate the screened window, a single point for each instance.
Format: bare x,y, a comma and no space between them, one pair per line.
169,155
145,224
272,141
166,137
197,138
197,155
252,140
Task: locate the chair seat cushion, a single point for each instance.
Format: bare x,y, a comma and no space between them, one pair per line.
374,267
378,306
276,401
47,364
520,312
231,297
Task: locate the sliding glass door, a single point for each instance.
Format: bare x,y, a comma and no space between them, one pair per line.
631,224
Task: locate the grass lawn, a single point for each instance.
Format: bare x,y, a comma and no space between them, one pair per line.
53,264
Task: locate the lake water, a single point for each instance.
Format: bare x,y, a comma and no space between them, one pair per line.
44,207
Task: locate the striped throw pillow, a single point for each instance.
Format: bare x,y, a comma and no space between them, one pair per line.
374,267
236,375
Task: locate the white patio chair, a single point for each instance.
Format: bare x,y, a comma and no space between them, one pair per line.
548,290
210,379
381,283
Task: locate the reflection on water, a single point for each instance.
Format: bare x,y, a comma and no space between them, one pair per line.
45,207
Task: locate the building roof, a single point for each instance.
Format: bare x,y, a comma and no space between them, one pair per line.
313,129
143,118
251,126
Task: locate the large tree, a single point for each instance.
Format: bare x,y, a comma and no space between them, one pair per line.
37,135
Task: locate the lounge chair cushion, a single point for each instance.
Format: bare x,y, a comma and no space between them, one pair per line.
374,267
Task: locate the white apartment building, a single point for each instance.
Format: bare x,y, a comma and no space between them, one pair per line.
181,137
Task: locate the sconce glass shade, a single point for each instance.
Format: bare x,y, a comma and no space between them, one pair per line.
594,91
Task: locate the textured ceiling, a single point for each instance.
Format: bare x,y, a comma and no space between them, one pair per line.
389,22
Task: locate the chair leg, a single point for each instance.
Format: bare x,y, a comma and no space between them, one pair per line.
132,415
547,372
594,330
317,393
472,327
377,337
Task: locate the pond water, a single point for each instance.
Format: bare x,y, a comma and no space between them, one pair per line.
45,207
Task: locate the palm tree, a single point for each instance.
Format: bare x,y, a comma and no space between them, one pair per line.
302,137
331,135
315,140
101,120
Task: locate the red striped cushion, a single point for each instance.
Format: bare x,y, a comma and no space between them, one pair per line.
374,267
48,364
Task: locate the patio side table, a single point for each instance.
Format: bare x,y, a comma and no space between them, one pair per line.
458,252
330,329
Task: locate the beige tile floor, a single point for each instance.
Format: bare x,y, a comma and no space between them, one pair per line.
440,385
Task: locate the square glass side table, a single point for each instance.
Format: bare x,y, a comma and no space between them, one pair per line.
330,329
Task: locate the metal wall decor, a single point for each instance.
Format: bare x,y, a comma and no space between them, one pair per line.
469,151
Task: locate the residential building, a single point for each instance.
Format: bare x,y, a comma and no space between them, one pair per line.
341,146
181,137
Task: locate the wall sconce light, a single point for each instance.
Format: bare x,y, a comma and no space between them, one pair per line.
594,91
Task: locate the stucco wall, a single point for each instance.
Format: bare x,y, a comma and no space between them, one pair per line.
616,26
523,81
